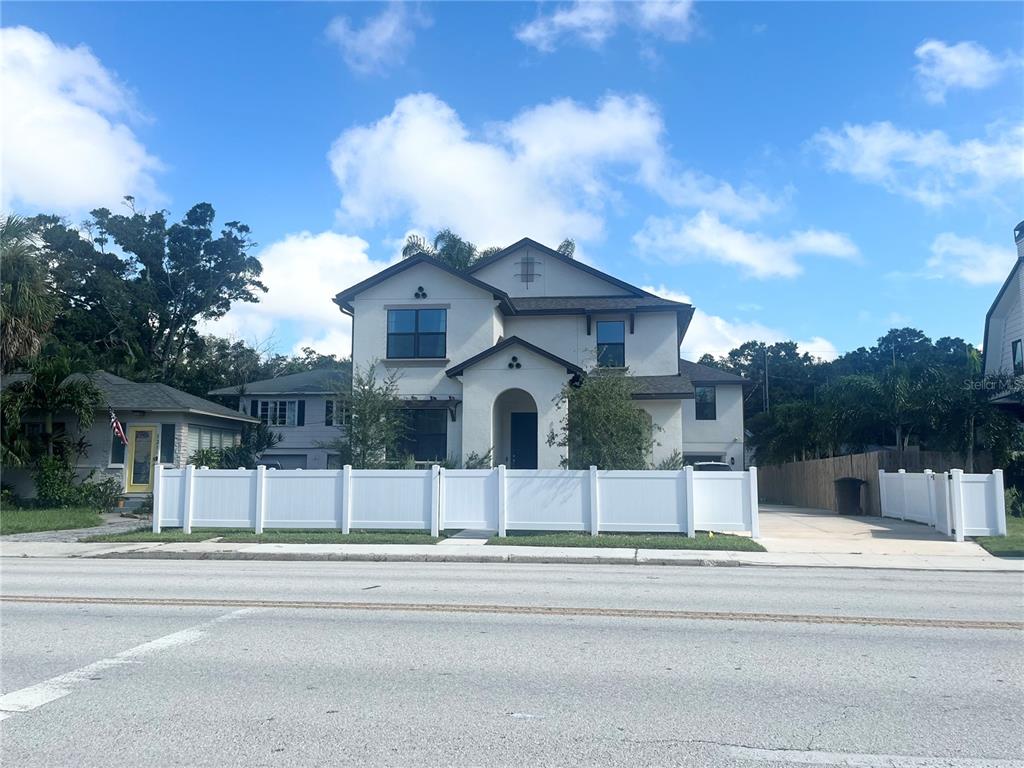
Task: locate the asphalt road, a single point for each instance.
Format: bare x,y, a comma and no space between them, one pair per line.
229,663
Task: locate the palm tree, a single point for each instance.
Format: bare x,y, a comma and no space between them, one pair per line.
50,388
27,307
459,253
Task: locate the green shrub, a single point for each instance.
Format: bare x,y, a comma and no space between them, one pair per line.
1014,502
673,461
57,486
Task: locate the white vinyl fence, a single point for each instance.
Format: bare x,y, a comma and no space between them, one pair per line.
953,503
440,499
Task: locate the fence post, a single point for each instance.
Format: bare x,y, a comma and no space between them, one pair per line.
442,500
502,499
929,478
903,493
882,501
1000,500
755,525
595,509
956,499
261,497
691,511
186,523
346,499
158,496
435,500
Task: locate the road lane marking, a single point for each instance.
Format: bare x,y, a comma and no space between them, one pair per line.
855,760
33,696
531,610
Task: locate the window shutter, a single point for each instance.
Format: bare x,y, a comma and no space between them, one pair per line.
254,408
166,443
117,447
300,420
328,413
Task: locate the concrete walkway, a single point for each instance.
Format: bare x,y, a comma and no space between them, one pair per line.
112,523
820,531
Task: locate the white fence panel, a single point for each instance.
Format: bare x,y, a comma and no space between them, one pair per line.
940,498
722,501
979,504
399,499
649,501
953,503
224,498
172,498
917,505
303,498
470,499
547,500
894,504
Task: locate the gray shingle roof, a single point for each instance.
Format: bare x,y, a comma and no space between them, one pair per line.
322,381
122,394
703,374
591,303
682,384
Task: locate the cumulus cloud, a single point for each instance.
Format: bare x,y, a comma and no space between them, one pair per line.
592,22
705,236
942,67
303,272
67,146
551,170
969,260
382,42
927,167
715,335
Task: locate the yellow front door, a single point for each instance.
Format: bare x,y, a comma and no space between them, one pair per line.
140,459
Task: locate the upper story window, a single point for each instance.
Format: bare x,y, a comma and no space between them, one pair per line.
281,413
704,401
1018,358
336,413
611,343
416,333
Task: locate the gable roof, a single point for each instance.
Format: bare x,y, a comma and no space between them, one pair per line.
123,394
526,241
344,298
550,305
456,370
321,381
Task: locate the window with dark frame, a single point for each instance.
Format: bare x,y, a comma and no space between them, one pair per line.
1018,358
281,413
426,436
704,402
417,333
611,343
336,413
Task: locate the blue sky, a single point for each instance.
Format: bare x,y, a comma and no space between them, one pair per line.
814,171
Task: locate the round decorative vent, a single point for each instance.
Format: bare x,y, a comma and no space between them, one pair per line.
420,293
515,363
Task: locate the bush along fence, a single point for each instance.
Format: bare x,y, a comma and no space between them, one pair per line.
954,503
437,499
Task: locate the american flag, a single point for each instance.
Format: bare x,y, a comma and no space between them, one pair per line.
116,428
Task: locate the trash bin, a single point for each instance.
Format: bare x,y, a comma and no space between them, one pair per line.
848,495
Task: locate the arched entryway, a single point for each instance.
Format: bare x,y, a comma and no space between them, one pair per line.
515,430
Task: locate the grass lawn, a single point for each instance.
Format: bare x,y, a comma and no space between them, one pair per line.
30,520
630,540
1010,545
283,536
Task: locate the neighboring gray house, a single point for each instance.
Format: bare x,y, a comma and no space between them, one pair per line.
303,409
162,425
1004,329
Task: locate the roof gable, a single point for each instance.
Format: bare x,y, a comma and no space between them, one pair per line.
345,297
511,341
320,381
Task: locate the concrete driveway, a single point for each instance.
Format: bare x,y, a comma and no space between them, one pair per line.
800,529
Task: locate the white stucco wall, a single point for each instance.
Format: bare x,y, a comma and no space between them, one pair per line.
723,435
667,420
554,277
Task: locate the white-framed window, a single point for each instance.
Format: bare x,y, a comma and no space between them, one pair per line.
336,413
200,437
279,413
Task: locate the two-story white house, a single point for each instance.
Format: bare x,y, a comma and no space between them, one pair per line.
484,354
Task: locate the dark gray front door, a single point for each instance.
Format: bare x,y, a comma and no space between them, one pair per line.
524,441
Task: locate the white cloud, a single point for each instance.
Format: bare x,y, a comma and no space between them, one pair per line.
942,67
549,171
925,166
66,146
705,236
382,42
970,260
592,22
715,335
303,272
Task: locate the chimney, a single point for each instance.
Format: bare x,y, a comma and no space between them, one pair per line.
1018,238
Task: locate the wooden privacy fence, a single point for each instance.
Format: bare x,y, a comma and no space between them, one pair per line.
954,503
812,483
437,499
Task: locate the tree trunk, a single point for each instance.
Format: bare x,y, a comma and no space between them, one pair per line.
969,459
48,433
899,446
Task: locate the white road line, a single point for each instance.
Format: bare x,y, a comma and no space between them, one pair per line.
27,699
855,760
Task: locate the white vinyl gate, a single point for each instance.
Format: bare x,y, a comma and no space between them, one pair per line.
954,503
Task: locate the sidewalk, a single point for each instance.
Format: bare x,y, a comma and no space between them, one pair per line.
474,553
